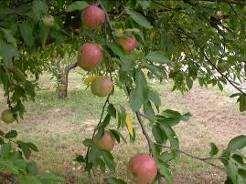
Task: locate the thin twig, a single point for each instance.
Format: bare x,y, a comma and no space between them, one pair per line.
205,160
224,76
101,116
144,131
8,100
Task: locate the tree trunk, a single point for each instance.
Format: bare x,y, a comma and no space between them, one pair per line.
63,81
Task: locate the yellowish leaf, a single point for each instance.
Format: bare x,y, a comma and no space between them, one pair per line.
90,79
129,123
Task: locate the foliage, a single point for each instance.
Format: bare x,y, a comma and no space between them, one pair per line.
15,165
179,40
233,158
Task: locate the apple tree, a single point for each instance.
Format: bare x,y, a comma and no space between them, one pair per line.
126,44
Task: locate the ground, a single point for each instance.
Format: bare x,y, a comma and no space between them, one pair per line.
58,127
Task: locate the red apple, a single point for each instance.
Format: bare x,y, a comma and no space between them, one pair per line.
93,16
128,44
102,86
90,55
144,168
106,142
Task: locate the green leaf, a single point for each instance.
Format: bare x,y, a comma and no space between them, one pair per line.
148,110
113,180
115,134
145,4
171,113
26,33
185,117
172,117
117,50
237,143
166,157
39,9
235,95
242,172
105,122
9,37
11,134
238,158
20,164
121,116
7,52
112,110
32,146
109,160
125,61
8,166
94,154
165,171
159,134
189,82
77,5
88,142
242,102
232,171
139,19
214,149
137,97
172,138
158,57
25,148
155,98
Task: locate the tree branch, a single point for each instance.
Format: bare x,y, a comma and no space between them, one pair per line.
64,79
237,2
224,76
205,160
140,121
101,116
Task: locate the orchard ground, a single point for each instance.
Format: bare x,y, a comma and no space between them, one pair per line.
58,127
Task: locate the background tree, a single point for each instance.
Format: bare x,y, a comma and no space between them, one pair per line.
140,40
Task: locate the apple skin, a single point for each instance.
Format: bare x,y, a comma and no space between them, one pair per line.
102,86
144,168
106,142
7,116
90,55
93,16
128,44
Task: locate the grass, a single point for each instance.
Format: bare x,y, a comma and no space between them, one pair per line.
58,127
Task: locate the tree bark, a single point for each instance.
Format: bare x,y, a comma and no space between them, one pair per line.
63,81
